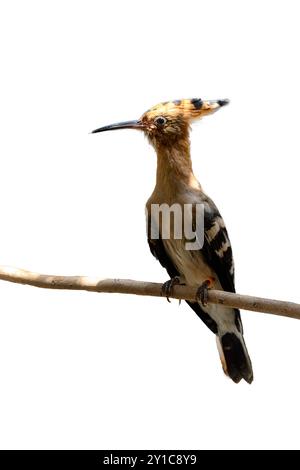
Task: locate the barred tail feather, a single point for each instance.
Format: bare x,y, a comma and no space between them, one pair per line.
234,357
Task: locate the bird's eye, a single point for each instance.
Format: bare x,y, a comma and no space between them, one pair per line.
160,120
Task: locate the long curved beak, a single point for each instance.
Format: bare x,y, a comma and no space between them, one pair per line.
120,125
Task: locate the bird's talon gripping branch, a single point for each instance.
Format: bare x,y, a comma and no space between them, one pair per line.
167,287
202,292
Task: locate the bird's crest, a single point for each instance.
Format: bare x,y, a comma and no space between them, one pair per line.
189,109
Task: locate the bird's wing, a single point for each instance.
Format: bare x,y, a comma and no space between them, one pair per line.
158,250
217,249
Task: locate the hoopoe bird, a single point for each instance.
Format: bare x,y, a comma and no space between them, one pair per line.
166,126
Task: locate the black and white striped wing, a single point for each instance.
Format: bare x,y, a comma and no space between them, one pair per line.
217,249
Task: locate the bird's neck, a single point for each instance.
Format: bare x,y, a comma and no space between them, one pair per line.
174,168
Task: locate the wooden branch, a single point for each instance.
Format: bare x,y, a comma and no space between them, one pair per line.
127,286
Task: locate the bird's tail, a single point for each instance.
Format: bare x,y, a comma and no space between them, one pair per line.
234,356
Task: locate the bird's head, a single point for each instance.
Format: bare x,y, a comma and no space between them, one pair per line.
169,122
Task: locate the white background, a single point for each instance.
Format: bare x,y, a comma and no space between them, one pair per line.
82,370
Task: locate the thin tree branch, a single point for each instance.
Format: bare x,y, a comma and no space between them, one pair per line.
127,286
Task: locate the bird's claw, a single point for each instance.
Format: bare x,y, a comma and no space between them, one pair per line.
167,287
202,292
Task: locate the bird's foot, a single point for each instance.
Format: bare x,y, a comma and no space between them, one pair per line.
202,292
167,287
